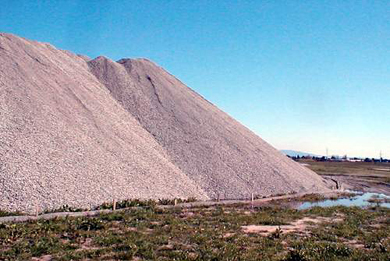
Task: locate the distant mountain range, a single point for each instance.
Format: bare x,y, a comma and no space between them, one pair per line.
294,153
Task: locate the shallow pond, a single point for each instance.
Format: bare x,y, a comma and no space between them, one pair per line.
360,200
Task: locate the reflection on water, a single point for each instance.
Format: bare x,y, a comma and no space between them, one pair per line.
360,200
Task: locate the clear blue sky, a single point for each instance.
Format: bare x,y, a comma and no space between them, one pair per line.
303,75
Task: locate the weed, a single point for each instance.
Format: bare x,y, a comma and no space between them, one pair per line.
201,233
6,213
65,208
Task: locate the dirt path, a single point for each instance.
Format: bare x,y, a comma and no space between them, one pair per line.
297,226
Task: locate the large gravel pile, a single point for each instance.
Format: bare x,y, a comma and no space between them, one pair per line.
65,140
225,158
80,132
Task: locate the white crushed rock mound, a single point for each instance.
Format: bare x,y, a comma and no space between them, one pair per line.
225,158
65,140
81,132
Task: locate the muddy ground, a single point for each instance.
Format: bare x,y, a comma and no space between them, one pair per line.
361,183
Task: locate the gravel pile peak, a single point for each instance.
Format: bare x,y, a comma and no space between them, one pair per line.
225,158
81,132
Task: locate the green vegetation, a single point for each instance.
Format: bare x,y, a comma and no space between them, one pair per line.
203,233
178,201
377,199
311,198
128,203
7,214
65,208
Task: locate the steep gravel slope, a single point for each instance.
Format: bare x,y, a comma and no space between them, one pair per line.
65,140
80,132
218,153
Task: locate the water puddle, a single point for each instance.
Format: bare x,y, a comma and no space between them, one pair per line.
360,200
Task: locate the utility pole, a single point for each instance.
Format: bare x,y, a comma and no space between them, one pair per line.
327,153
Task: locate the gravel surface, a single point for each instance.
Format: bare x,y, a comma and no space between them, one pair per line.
225,158
81,132
65,140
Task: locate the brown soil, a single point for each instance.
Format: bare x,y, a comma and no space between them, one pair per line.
298,226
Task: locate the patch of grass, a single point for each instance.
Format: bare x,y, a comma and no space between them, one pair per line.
311,198
7,214
177,200
378,200
65,208
202,233
128,203
313,250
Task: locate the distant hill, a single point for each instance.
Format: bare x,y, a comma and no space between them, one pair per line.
294,153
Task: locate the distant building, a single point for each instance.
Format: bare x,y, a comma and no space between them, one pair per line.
355,159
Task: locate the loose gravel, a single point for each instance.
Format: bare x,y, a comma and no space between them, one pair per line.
81,132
